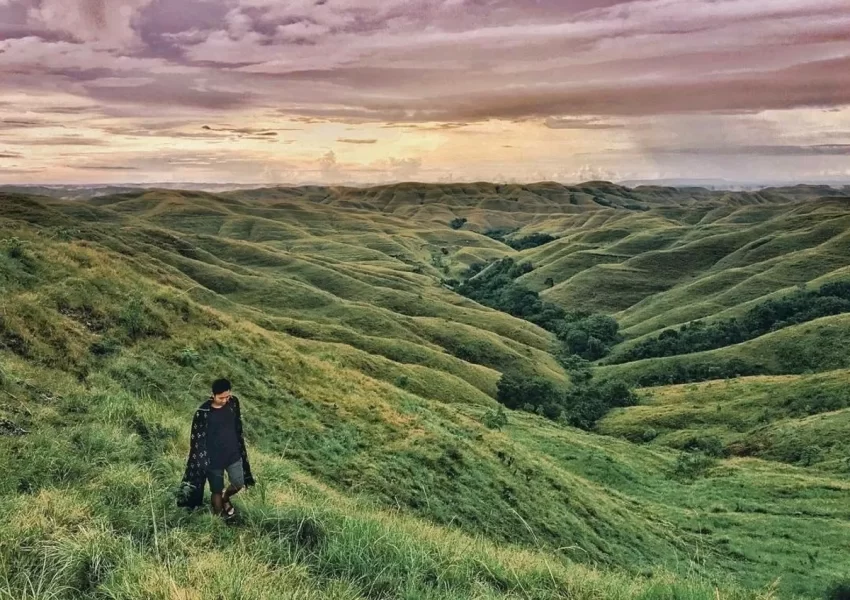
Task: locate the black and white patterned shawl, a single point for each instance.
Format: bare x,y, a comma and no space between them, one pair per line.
191,494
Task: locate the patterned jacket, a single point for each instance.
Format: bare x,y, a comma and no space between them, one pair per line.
191,494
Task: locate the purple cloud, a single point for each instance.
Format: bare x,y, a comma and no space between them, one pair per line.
163,68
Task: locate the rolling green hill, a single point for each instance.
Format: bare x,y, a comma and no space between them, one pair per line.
368,384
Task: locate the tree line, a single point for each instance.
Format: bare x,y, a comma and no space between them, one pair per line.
581,404
583,337
581,332
770,315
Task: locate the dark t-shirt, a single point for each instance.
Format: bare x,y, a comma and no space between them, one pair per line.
222,441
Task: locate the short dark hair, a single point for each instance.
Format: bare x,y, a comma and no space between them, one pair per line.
220,386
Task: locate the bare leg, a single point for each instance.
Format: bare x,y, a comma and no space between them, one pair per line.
217,503
231,490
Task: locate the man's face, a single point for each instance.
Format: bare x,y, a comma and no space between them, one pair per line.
222,397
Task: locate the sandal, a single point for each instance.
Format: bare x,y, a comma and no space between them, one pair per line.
228,510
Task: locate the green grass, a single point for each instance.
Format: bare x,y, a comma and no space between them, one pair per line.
790,418
367,385
818,345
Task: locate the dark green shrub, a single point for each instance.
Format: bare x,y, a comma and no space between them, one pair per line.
839,590
14,247
531,241
693,466
188,357
499,233
105,347
589,401
516,390
581,405
457,223
139,321
649,434
709,445
495,419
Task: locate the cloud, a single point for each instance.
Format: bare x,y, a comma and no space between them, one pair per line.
6,124
64,140
108,23
652,82
404,168
265,132
102,168
17,171
330,170
763,150
11,155
575,123
121,82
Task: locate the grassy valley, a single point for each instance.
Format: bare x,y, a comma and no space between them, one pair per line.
369,367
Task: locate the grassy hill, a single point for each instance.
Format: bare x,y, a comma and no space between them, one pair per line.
367,383
796,419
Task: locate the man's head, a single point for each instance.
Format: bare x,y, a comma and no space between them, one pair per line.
221,390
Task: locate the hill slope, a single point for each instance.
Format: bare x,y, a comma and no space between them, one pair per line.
366,384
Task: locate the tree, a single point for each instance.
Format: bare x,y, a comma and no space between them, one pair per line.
514,390
457,223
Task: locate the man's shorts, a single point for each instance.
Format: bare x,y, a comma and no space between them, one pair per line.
234,473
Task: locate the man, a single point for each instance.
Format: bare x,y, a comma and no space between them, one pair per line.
217,445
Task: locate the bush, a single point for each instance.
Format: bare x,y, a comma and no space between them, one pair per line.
499,233
588,335
531,241
589,401
709,445
139,321
578,368
685,372
188,357
581,405
516,390
648,434
839,590
693,466
14,247
105,347
810,455
458,223
495,419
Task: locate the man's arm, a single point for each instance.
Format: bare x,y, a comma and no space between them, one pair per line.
246,466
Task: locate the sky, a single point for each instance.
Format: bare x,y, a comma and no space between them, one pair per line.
372,91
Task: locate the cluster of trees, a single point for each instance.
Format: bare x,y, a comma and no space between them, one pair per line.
696,336
499,233
522,243
687,372
581,404
581,332
583,335
530,241
587,335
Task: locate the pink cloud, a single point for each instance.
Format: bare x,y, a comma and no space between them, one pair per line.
588,67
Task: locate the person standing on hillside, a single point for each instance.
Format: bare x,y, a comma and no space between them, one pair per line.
216,445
